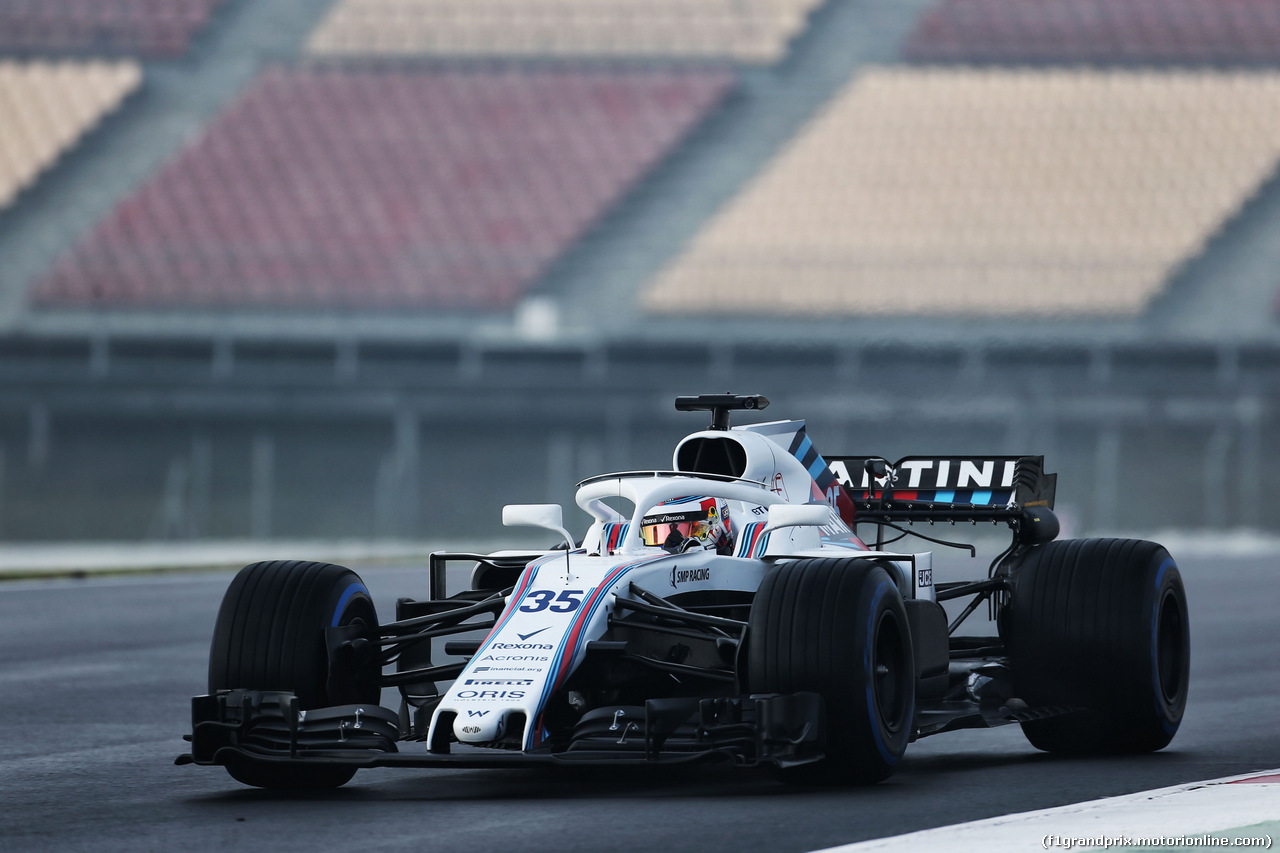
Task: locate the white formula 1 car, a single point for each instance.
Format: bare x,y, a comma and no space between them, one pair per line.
725,609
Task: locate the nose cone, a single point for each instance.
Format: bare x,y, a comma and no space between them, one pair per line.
479,726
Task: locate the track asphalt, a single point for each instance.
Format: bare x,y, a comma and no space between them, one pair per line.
97,675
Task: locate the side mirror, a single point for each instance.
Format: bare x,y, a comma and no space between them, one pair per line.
533,515
798,515
546,516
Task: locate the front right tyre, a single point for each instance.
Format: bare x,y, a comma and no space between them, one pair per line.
269,635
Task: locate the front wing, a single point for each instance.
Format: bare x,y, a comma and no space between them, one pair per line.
261,727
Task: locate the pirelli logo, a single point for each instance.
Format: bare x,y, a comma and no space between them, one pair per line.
500,682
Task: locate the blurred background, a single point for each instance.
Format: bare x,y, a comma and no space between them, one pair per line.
281,269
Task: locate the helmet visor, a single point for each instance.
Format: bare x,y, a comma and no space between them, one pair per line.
659,528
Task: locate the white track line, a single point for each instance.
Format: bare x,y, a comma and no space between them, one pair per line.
1182,810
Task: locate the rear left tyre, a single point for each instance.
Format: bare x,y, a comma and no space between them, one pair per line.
1100,625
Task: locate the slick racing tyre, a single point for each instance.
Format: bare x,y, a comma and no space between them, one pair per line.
1100,625
269,635
838,627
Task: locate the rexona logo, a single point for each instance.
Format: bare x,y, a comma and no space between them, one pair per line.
501,682
490,695
679,575
526,647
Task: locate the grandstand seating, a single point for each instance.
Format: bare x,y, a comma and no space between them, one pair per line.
755,31
1098,31
46,107
384,188
986,192
143,27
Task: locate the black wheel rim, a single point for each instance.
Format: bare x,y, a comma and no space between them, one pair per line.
1171,647
359,611
888,672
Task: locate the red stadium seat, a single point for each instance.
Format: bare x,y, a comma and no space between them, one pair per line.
1098,31
387,189
144,27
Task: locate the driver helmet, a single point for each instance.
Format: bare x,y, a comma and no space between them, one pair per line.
685,523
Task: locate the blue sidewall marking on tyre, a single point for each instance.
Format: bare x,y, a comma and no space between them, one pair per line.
1155,647
346,597
872,711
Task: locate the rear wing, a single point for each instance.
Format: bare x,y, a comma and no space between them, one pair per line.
966,480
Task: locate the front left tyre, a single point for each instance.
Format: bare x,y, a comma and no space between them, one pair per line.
838,627
269,635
